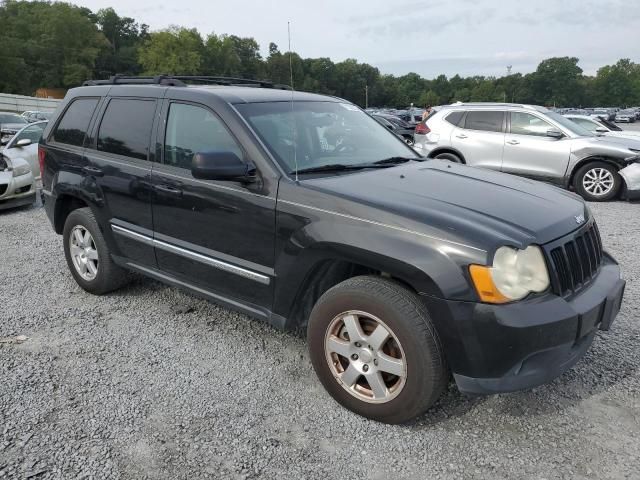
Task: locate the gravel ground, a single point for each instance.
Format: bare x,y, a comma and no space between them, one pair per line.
149,382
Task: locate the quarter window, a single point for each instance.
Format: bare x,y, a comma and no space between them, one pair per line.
454,118
485,121
126,127
192,129
73,126
527,124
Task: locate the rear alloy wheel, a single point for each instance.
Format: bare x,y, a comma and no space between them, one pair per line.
597,182
375,350
451,157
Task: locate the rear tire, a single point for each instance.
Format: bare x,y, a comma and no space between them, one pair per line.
451,157
410,347
597,182
88,256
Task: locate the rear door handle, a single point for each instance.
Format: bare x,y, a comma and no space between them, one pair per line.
94,171
462,135
513,142
168,189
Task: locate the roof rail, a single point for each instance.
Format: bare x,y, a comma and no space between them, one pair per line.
182,80
491,104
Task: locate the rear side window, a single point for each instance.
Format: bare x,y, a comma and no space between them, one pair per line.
126,127
73,126
485,121
454,118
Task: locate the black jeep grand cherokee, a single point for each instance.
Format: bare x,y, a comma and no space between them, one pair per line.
301,210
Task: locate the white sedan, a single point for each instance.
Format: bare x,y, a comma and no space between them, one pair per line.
603,127
24,145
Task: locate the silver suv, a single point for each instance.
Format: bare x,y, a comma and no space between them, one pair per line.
532,142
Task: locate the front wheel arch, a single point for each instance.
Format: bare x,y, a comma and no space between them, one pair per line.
436,152
617,185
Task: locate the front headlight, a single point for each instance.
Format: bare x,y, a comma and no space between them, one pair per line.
513,275
21,170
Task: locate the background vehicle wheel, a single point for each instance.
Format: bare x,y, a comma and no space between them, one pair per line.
452,157
88,256
597,182
375,350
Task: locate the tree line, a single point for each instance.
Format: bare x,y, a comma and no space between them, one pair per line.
45,44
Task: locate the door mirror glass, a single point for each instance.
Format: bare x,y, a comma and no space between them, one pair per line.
220,165
553,133
25,142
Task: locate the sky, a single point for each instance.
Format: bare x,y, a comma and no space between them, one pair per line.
468,37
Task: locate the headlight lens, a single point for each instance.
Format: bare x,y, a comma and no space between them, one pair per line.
21,170
513,275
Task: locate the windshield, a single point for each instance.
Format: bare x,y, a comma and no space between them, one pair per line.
314,134
11,118
569,125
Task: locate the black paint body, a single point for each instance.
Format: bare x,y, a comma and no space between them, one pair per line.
261,246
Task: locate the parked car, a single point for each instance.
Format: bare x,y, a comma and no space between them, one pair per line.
603,113
35,116
625,116
17,185
302,210
24,145
10,123
533,142
603,127
405,133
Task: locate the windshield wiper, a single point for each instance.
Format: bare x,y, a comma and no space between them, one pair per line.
334,167
395,160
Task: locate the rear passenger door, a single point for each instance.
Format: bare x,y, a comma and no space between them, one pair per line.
480,138
119,162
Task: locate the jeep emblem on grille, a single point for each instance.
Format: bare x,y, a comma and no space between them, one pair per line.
579,219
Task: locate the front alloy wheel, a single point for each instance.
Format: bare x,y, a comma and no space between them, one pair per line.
365,357
597,182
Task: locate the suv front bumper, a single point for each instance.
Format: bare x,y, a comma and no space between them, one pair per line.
504,348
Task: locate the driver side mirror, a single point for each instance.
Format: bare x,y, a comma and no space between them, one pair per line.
553,133
601,130
25,142
221,165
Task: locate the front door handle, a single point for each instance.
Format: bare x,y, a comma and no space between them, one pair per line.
462,135
94,171
168,189
513,142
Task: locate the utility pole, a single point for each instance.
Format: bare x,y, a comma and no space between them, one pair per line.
366,95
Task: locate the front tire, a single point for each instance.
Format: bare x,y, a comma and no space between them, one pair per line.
597,182
88,256
375,350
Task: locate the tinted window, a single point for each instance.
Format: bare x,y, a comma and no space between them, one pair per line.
527,124
126,127
192,129
486,121
73,127
454,118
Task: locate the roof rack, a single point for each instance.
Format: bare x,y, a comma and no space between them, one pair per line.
182,80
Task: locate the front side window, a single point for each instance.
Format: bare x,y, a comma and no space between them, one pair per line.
484,121
527,124
315,134
126,127
192,129
73,126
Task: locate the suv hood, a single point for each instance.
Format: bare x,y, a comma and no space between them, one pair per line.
484,208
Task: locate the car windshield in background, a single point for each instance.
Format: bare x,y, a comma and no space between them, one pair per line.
318,134
11,118
569,125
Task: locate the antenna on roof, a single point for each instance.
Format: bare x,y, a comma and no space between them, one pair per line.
293,123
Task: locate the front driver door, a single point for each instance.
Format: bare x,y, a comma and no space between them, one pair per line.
215,235
529,152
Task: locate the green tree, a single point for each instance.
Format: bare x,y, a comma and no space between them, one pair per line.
557,81
176,51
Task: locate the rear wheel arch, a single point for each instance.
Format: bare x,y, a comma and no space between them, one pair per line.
434,153
65,204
